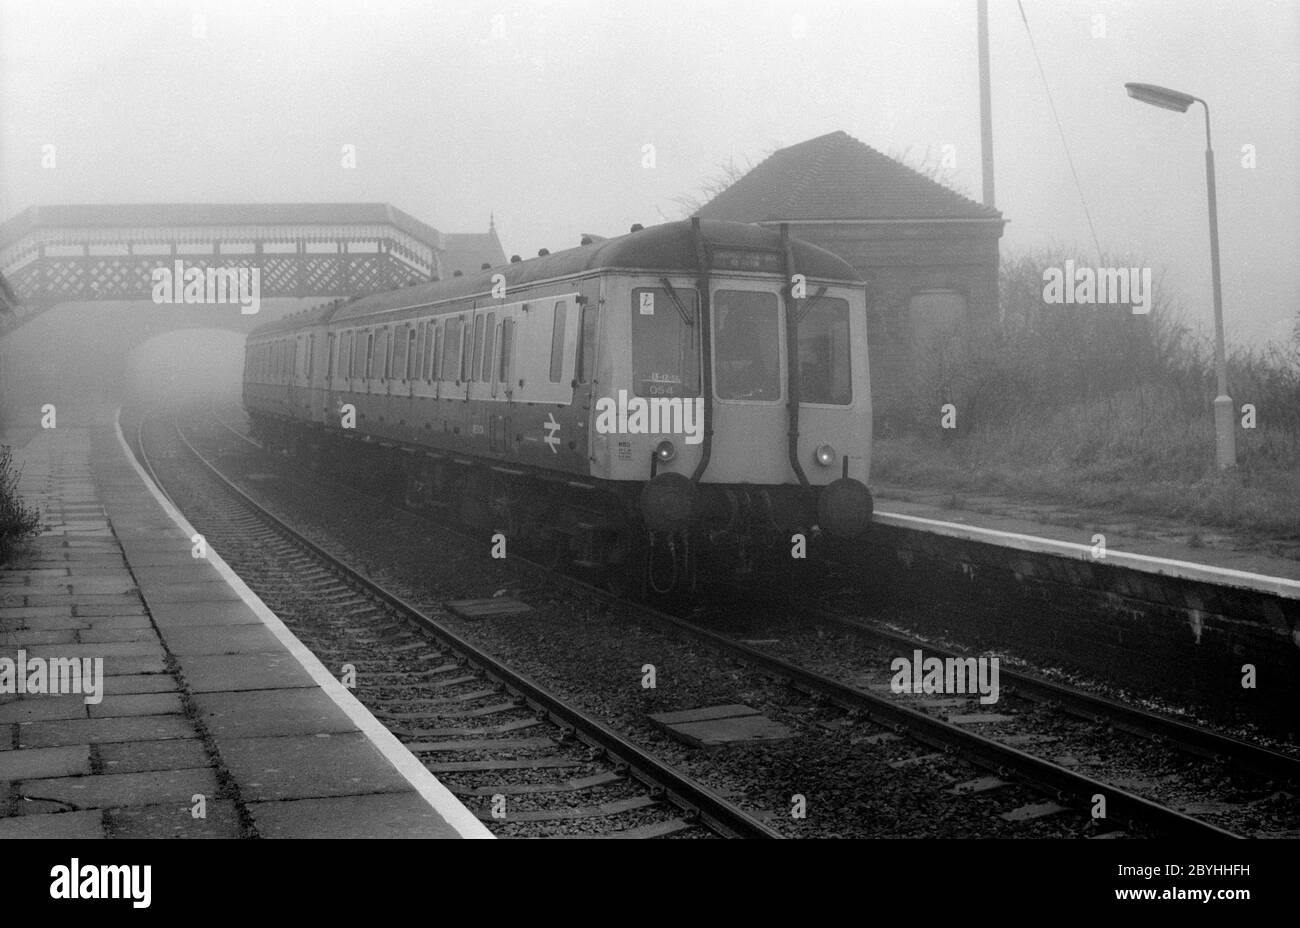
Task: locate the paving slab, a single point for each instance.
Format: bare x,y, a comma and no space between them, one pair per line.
127,684
43,708
139,756
212,592
109,610
146,648
211,673
215,639
20,613
194,614
136,704
106,634
26,638
73,760
109,790
100,731
255,713
80,600
198,570
309,766
61,826
175,820
177,555
385,815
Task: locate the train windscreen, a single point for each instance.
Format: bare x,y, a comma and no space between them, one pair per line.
825,375
747,339
665,347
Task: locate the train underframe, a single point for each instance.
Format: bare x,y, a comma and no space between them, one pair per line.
626,536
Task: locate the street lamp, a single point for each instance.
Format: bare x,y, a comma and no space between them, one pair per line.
1224,426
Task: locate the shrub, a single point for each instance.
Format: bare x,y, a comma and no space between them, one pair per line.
18,521
1098,406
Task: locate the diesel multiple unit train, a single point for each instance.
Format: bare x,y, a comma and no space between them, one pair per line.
691,393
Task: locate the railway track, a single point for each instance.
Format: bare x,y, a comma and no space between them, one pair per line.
998,755
1192,739
457,708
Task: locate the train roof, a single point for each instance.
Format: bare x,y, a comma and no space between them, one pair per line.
666,247
313,316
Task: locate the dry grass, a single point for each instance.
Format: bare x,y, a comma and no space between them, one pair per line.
1099,409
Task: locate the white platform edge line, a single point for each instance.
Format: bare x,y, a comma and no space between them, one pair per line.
1280,586
439,798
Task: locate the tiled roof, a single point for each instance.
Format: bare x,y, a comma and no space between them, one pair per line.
8,299
467,251
215,214
835,176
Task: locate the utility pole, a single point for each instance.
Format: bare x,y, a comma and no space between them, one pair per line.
986,105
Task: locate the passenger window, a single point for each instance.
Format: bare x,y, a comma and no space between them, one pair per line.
587,344
507,344
397,367
476,362
370,353
418,355
433,367
383,353
557,340
466,349
410,353
451,348
484,374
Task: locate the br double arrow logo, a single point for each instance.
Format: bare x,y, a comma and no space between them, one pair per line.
552,432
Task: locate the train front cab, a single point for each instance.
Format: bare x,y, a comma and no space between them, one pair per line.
654,385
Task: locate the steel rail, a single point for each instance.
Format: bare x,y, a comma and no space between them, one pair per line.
695,799
999,758
1182,735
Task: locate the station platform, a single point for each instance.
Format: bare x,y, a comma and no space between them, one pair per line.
210,719
1145,543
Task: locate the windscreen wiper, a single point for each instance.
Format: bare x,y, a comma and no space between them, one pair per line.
809,304
672,295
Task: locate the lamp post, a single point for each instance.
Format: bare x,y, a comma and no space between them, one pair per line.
1225,444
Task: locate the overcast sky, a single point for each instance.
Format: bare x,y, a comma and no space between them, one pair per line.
539,113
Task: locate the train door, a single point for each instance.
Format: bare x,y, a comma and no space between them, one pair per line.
546,334
481,345
327,379
749,382
500,432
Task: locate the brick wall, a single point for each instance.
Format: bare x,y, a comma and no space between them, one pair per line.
898,260
1151,635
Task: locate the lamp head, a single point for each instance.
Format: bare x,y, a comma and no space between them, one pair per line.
1162,97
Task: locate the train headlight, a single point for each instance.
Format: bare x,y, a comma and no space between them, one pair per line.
665,451
824,455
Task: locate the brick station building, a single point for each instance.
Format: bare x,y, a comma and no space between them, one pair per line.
929,255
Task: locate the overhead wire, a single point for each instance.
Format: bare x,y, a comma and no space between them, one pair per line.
1061,131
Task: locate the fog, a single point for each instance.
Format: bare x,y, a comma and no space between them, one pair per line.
540,114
